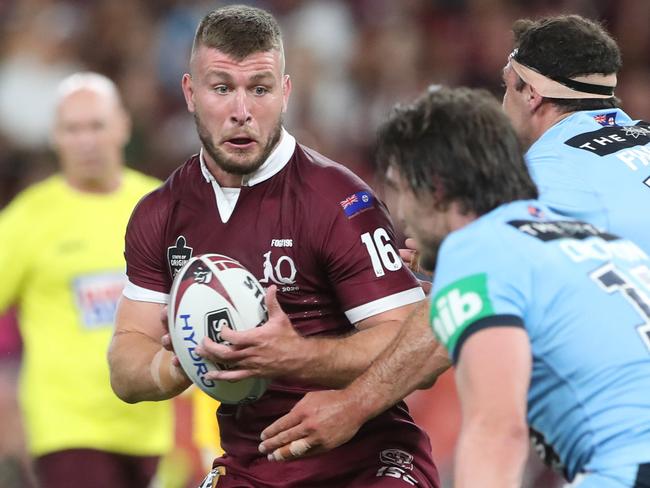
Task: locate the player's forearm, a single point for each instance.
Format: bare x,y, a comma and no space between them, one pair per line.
491,453
142,370
409,359
335,362
414,360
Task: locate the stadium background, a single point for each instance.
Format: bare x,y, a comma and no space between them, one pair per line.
349,61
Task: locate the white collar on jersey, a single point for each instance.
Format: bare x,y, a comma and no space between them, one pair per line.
277,160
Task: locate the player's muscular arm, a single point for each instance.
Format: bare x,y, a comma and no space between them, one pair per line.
335,362
326,419
492,378
141,369
277,350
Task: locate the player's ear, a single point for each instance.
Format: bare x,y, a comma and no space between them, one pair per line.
534,99
286,91
188,91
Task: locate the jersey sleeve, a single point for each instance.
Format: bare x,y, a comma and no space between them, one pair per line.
362,260
14,252
145,264
481,281
562,189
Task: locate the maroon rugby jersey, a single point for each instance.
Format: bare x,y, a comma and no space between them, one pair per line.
304,223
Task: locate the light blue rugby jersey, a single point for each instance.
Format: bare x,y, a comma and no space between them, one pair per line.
583,298
595,166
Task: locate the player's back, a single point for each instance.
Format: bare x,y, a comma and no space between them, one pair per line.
594,166
583,298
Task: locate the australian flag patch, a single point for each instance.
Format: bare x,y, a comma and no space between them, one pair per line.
606,120
356,203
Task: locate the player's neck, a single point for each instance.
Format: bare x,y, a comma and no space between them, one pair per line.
225,179
546,117
456,218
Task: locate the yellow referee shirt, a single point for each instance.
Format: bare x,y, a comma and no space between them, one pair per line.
61,256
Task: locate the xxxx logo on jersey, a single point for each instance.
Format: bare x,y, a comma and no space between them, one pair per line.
457,306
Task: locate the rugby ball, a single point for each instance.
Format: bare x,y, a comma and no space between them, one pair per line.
209,293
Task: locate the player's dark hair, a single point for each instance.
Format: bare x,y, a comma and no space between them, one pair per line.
238,31
458,145
566,46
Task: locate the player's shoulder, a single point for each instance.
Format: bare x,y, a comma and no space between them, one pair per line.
165,195
328,184
182,178
579,130
323,172
499,233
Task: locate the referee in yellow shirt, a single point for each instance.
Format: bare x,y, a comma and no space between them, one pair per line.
61,244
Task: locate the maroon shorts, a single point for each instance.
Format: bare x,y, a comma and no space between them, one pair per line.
96,469
395,457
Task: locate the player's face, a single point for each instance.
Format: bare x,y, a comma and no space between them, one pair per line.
90,132
237,106
515,105
423,220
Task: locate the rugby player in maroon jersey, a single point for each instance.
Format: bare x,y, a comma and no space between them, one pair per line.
311,231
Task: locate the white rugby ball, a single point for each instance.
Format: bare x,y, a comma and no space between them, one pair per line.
209,293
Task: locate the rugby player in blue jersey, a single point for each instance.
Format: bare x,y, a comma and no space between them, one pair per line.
589,159
547,319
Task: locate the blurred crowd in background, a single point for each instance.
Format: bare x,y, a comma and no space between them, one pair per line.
350,61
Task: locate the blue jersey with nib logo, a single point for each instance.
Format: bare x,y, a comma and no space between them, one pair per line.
583,297
595,166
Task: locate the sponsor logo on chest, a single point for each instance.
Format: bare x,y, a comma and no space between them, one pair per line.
279,269
630,143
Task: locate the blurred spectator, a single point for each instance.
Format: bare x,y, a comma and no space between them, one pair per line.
351,59
37,57
61,252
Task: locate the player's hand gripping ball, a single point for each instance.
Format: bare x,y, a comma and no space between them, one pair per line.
209,293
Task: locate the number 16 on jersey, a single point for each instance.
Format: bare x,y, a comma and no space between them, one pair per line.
382,253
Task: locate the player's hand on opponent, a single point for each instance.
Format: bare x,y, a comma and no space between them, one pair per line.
271,350
319,422
410,257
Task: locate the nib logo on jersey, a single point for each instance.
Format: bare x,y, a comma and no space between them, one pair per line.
178,255
281,270
459,305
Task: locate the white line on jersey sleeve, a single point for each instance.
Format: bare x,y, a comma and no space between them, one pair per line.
139,294
357,314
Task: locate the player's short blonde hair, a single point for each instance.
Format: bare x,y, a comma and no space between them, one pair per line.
239,31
